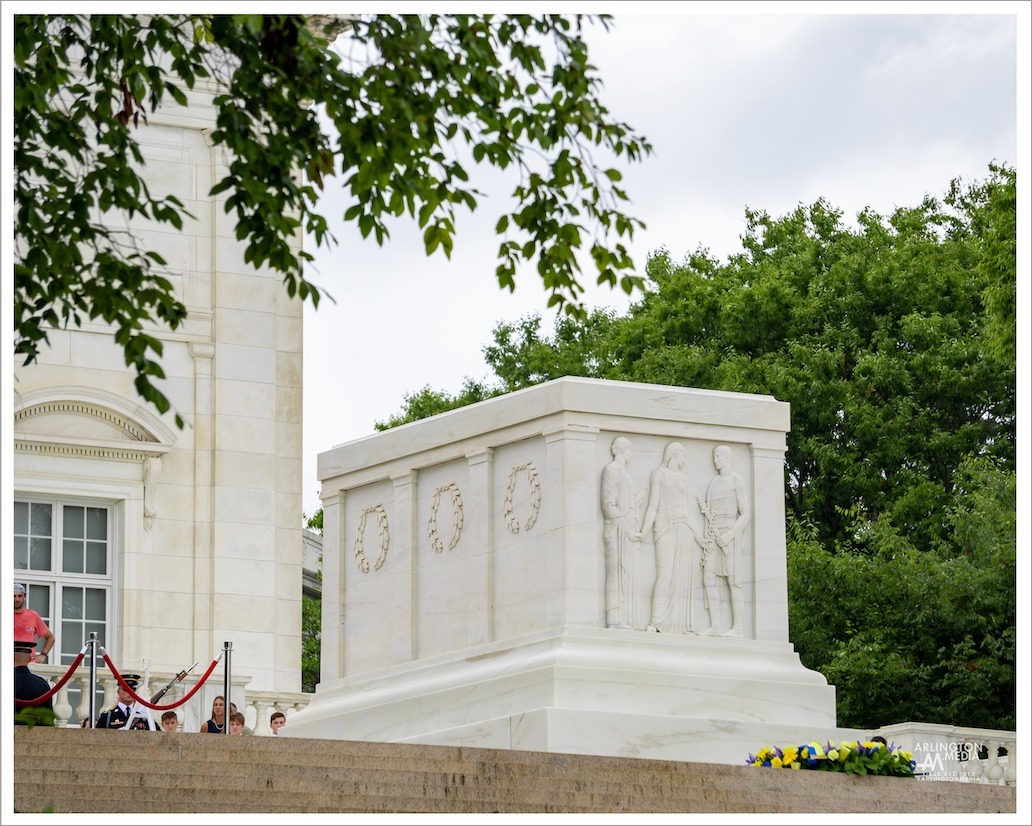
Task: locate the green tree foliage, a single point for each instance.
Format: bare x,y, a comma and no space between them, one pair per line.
427,402
34,716
311,645
876,336
995,206
518,92
520,357
314,522
889,340
311,621
915,635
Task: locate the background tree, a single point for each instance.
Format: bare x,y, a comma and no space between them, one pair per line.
311,642
311,620
876,336
427,402
518,91
890,342
916,635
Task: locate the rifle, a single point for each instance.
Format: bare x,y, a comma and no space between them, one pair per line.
178,678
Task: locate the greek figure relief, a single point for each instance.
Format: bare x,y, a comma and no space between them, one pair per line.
621,538
667,516
727,514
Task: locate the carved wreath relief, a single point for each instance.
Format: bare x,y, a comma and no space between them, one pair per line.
431,522
432,530
385,538
535,497
527,469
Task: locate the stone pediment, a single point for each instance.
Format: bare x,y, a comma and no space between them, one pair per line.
79,420
71,420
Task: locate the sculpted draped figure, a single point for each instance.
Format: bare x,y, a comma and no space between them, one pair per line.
727,513
620,536
667,514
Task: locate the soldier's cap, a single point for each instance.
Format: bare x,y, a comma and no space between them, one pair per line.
19,588
131,680
23,647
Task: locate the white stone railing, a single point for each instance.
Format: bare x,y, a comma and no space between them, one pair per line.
967,755
257,705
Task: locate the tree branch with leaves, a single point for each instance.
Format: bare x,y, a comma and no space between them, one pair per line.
404,95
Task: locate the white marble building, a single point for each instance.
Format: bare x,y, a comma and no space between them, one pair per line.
166,542
467,561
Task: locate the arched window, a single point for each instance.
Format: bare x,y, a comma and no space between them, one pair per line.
85,466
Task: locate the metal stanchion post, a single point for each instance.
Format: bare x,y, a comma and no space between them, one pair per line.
93,677
228,649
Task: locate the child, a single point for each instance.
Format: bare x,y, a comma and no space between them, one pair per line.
236,723
276,721
233,710
169,721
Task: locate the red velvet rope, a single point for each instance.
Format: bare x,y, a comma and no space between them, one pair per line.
55,689
154,706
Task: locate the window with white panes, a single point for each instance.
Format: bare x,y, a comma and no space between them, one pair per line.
63,555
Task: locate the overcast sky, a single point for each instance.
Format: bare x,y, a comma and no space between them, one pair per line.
755,110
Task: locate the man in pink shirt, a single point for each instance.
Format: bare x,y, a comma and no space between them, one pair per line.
28,626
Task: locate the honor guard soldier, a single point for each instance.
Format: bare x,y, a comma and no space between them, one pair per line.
29,686
118,716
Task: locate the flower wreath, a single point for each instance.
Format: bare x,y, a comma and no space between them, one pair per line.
851,757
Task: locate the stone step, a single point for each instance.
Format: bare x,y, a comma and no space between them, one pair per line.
376,783
77,770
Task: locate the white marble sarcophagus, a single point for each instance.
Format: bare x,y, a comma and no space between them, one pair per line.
583,566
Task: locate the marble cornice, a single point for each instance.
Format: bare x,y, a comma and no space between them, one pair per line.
134,451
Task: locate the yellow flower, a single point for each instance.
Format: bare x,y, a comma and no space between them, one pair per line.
775,763
789,754
797,766
833,754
